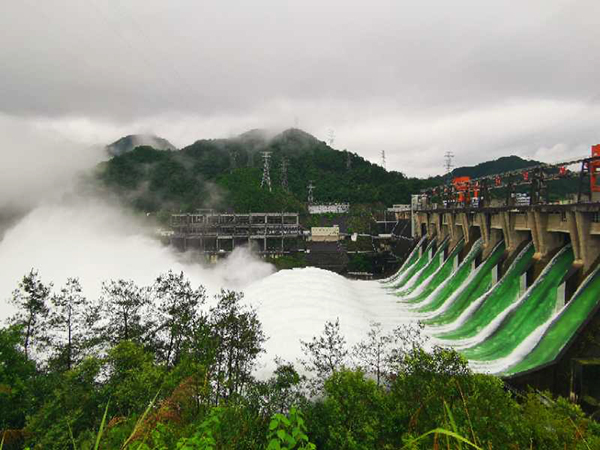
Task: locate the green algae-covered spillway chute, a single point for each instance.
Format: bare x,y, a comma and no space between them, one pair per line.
443,296
428,271
479,284
439,277
414,269
563,327
534,308
491,305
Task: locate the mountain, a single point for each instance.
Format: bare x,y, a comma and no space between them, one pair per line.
128,143
503,164
227,173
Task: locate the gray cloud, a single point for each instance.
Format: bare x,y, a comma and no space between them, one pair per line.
481,79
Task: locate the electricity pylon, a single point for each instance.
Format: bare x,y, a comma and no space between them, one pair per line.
311,187
266,179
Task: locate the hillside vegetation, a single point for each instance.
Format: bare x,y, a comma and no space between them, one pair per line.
227,173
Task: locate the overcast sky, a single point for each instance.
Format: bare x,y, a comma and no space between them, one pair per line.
416,79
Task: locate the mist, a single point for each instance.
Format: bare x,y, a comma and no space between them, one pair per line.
54,221
95,240
39,164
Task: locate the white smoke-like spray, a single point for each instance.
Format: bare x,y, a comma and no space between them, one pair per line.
48,223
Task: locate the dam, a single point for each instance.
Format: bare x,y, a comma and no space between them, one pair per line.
513,286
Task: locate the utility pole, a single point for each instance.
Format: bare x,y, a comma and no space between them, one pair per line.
311,187
383,159
266,179
284,177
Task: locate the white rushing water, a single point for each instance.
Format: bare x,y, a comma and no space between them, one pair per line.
293,305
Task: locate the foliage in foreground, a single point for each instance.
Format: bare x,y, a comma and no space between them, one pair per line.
154,368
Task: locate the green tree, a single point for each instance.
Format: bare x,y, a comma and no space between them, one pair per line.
125,307
31,301
134,377
178,314
239,340
325,354
73,405
352,413
372,354
72,320
16,373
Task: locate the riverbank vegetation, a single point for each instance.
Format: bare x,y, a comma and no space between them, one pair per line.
165,366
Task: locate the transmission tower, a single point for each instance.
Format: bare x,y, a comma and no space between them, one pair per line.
311,187
348,161
330,137
383,159
448,156
266,179
284,178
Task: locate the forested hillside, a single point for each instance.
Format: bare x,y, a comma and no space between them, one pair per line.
227,173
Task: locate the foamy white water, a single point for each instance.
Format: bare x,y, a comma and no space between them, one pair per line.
293,305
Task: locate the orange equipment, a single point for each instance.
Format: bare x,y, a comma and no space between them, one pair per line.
526,176
476,189
595,169
498,180
461,185
562,171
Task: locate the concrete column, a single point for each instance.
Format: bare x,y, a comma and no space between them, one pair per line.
575,241
535,235
491,237
437,217
456,233
545,242
589,244
419,221
512,237
431,230
466,226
